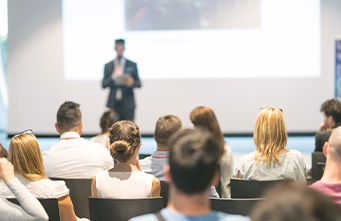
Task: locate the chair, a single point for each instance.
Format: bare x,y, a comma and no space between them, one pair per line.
50,206
80,191
320,170
234,206
241,188
315,158
122,209
142,156
164,192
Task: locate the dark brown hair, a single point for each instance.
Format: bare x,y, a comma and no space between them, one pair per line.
204,117
69,116
107,120
193,159
165,127
124,138
332,108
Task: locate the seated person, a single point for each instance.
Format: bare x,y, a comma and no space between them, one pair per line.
292,201
107,120
25,155
3,152
205,117
29,209
331,110
193,168
74,157
271,161
165,127
330,183
125,180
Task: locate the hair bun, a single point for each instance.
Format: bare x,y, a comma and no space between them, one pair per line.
120,146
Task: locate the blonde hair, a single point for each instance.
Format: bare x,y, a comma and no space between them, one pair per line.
25,155
270,136
204,117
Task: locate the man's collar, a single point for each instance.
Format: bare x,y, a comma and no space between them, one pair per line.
70,134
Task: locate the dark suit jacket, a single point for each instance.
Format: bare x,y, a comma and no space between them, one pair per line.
128,101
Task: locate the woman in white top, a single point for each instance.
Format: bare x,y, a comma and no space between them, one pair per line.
25,155
107,120
29,209
204,117
271,161
125,180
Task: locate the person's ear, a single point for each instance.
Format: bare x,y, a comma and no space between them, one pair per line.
80,126
325,147
168,176
57,128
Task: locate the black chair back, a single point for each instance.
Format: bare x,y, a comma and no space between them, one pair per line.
80,191
320,169
316,157
252,188
122,209
142,156
164,192
50,206
234,206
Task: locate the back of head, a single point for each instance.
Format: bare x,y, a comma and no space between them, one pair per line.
334,145
270,135
204,117
332,108
292,201
165,127
193,160
69,116
107,120
25,155
124,138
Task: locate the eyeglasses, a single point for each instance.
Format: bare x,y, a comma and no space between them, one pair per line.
271,107
27,131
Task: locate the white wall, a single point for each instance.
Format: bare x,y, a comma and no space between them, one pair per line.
37,87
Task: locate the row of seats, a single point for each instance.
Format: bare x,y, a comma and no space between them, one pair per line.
124,209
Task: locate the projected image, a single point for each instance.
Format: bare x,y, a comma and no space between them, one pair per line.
191,14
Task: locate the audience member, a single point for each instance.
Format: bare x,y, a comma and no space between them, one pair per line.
73,156
330,183
165,127
271,161
292,201
107,120
25,155
193,162
3,151
205,117
331,110
125,180
29,209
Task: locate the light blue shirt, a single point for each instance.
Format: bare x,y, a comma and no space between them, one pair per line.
173,215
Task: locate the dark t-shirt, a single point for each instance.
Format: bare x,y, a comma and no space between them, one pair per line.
320,138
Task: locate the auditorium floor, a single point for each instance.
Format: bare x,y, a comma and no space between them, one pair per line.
239,145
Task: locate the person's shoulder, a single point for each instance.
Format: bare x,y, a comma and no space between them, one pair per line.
225,216
294,153
147,217
130,62
109,63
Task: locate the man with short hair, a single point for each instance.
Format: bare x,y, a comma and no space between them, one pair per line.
193,162
165,127
121,76
330,182
73,156
331,110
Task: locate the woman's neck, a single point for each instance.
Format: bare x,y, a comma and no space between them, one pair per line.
128,166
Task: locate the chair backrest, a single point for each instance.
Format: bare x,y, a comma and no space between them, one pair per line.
80,191
320,169
241,188
164,192
234,206
315,158
50,206
142,156
122,209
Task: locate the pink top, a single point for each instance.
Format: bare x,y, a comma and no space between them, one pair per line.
332,190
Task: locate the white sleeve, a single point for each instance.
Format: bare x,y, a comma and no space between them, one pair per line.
30,208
